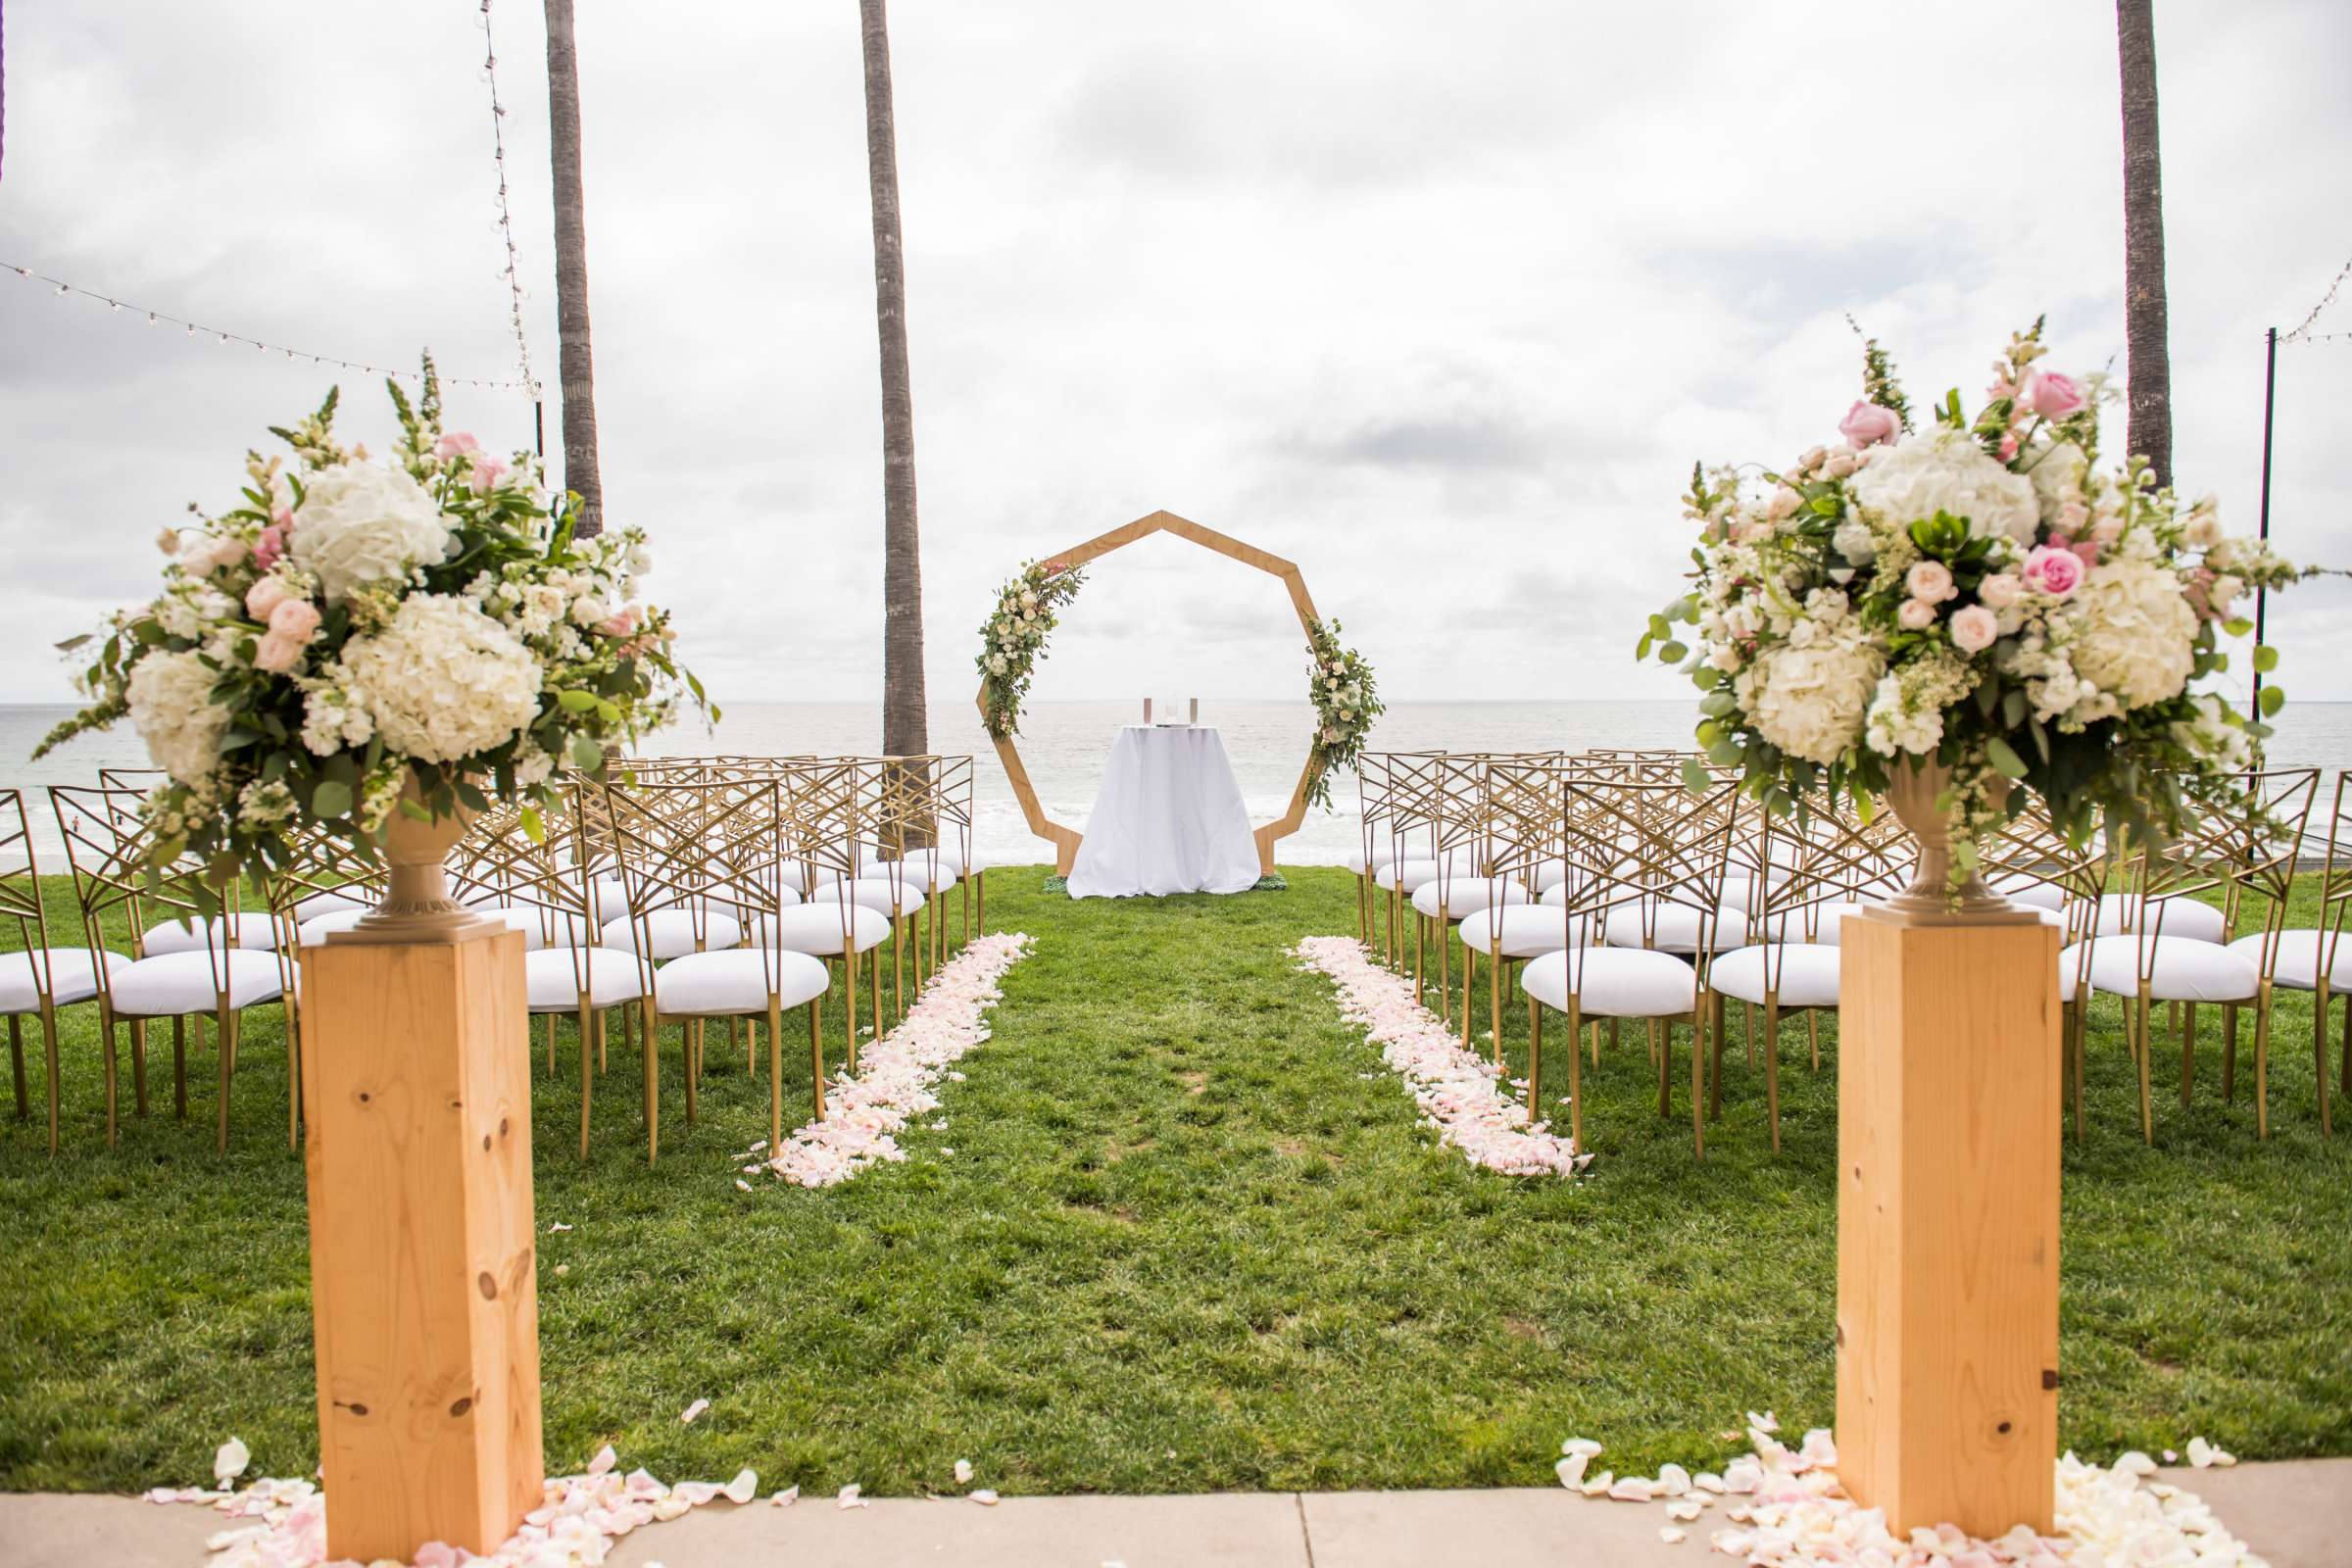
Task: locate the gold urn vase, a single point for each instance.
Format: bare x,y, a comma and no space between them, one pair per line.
416,905
1931,898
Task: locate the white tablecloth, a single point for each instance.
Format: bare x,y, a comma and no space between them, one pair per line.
1170,819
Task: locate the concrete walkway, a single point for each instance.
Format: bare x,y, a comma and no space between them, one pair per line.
2298,1514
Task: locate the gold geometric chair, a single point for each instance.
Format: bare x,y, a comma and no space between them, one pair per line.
716,850
107,845
2316,958
38,979
1637,854
2236,854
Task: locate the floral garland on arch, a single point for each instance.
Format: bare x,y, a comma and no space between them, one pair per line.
1346,700
1977,595
354,624
1013,638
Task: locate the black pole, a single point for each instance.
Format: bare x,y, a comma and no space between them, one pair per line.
2269,392
539,425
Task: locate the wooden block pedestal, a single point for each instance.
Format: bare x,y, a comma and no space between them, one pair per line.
423,1276
1947,1220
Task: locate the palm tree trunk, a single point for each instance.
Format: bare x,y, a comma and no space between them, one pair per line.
2144,327
580,474
905,729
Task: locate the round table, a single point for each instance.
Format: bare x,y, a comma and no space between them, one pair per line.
1170,819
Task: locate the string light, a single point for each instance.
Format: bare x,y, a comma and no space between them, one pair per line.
2302,333
505,216
154,316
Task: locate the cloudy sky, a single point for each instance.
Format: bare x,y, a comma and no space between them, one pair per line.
1438,300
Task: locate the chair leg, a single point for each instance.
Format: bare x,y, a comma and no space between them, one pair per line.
49,1060
292,1022
1535,1056
1494,1007
648,1035
1700,1018
1751,1037
179,1068
2319,1054
873,985
2148,1110
2262,1063
2228,1052
775,1074
980,898
816,1056
1469,978
898,966
1575,1086
139,1065
550,1047
2188,1051
1715,1061
231,1024
1813,1036
15,1062
1662,1053
1772,1063
690,1033
588,1028
1419,927
110,1080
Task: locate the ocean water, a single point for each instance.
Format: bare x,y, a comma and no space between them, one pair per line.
1064,745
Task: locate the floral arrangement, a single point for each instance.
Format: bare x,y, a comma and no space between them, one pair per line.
1013,639
1345,703
354,624
1977,596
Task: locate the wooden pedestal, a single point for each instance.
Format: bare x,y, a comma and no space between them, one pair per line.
424,1278
1948,1221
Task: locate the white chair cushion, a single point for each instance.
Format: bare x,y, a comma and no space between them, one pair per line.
1676,929
946,861
710,984
1807,973
1410,875
1552,874
1466,893
2183,918
72,978
182,982
319,904
1616,983
1528,929
2035,895
920,870
879,894
313,932
2298,965
255,931
816,928
553,979
1829,922
2180,968
670,933
1384,852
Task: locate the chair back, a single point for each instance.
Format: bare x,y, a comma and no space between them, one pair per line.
20,889
702,848
1633,849
109,848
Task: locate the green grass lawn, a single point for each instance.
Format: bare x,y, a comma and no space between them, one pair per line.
1181,1233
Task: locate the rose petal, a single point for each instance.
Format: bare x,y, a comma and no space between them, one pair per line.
686,1416
787,1497
985,1496
848,1497
964,1472
232,1460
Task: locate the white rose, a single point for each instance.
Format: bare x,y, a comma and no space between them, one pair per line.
444,681
995,664
1809,701
360,523
2135,632
1947,471
1854,543
172,707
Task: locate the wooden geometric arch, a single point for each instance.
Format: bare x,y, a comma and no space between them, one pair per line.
1065,840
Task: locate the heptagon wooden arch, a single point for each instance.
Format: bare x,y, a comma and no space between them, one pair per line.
1065,840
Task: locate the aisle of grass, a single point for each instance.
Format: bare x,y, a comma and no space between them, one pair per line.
1180,1233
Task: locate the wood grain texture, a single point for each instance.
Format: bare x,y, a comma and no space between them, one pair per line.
1947,1222
423,1259
1065,840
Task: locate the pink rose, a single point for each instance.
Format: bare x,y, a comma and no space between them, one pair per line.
1931,580
488,471
2051,395
277,653
264,596
270,546
297,618
455,442
2055,570
2001,590
620,626
1867,425
1916,615
1973,629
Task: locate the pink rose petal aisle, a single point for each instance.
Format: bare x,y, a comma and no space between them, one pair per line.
1783,1507
895,1075
1459,1092
282,1524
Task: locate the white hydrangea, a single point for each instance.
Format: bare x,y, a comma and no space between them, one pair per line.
1809,701
1945,470
172,707
444,681
2134,633
2056,476
363,522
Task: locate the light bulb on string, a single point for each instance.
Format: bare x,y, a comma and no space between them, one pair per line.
150,318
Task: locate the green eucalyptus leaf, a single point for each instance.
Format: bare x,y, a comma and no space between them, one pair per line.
1674,653
2004,757
2266,659
2271,701
331,798
1696,777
